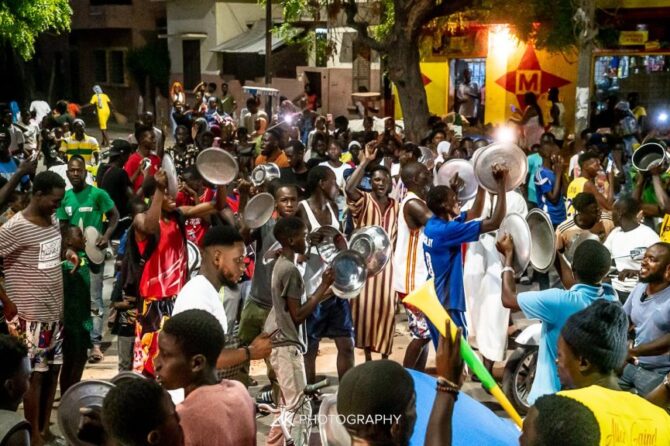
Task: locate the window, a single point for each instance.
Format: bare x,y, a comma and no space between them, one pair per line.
110,66
191,61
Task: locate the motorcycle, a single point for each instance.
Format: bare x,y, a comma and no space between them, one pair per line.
520,367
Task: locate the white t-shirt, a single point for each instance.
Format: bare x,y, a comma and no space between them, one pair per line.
621,243
338,171
200,294
41,109
61,169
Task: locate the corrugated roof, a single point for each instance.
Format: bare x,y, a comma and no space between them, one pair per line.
250,42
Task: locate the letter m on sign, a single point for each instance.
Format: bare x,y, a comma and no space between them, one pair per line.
528,80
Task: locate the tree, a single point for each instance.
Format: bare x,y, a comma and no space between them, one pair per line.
393,28
21,21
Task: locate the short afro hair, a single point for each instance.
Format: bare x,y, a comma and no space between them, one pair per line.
221,236
628,206
46,182
132,409
561,417
12,352
316,175
411,148
586,156
437,198
288,227
76,158
591,261
583,200
140,129
198,333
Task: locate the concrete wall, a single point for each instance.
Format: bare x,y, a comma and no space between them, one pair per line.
220,21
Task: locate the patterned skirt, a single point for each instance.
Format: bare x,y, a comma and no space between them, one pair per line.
153,312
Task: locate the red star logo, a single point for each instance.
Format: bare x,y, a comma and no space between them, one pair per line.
426,80
529,76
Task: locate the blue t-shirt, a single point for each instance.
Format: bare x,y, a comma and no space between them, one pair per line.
652,321
534,163
544,184
553,307
9,168
442,251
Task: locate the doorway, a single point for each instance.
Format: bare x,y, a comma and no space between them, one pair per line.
477,87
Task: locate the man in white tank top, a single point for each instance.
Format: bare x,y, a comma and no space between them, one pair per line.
409,267
332,318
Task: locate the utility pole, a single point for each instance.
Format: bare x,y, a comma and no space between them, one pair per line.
268,52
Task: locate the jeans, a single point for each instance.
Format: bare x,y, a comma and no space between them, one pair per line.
97,306
641,380
125,346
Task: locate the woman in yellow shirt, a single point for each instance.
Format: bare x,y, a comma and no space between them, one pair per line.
103,108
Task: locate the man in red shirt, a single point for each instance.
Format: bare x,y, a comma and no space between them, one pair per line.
136,167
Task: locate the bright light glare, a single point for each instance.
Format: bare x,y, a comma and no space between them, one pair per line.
663,117
502,41
505,134
288,119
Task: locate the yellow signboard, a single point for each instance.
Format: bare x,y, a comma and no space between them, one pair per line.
632,3
633,37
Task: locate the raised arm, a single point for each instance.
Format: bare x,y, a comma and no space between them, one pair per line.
301,312
27,167
478,206
492,223
557,166
449,365
506,247
604,202
351,188
149,222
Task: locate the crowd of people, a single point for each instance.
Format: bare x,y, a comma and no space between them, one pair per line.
198,294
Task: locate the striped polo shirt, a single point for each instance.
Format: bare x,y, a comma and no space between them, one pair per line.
84,148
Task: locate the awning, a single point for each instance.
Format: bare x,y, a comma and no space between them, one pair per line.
251,42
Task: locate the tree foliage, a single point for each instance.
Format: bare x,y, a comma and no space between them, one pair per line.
153,61
21,21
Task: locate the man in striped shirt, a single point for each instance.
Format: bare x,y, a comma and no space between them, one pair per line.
79,143
30,243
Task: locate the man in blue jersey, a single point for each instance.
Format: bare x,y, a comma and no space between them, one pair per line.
447,230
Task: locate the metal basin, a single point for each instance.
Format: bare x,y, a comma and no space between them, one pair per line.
515,225
543,246
171,174
350,273
259,210
507,154
465,171
264,173
217,166
373,243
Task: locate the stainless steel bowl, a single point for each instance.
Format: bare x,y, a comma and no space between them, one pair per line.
507,154
217,166
373,243
543,247
89,393
427,157
465,171
95,255
259,210
350,273
264,173
171,174
515,225
329,242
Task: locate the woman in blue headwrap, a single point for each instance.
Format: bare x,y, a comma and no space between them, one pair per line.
103,108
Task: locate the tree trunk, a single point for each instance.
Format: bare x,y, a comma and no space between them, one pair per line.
585,46
404,71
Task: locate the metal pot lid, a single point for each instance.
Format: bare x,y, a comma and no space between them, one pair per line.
272,253
95,255
427,157
507,154
543,247
373,243
126,375
578,240
331,431
515,225
465,171
264,173
90,393
350,273
259,210
171,174
217,166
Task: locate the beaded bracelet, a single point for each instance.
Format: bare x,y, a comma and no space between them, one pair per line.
444,385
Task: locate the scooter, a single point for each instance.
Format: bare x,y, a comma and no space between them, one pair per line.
521,365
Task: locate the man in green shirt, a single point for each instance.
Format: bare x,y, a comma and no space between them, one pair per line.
85,205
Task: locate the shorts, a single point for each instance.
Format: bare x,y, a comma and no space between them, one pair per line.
44,341
418,324
331,319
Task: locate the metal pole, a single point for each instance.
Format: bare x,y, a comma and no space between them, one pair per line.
268,51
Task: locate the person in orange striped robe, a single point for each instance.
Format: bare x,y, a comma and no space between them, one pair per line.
373,312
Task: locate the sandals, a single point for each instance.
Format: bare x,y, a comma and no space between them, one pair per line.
96,355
